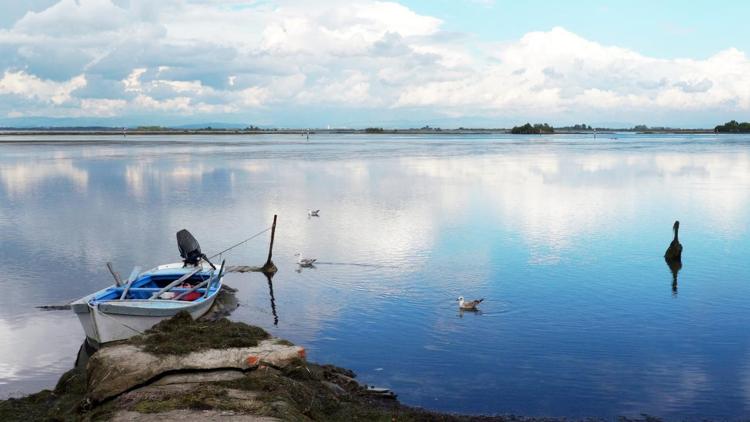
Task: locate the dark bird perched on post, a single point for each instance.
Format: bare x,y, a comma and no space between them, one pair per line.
674,251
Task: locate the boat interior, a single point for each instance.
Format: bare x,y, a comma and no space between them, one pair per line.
148,284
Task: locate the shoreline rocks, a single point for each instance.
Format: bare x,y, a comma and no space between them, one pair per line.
120,368
242,374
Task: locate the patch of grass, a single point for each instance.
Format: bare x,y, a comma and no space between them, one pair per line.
181,335
296,392
198,399
209,396
35,407
283,397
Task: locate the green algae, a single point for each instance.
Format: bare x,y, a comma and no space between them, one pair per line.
202,397
66,403
283,342
181,335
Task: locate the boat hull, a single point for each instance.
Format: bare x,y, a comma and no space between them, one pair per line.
113,320
103,327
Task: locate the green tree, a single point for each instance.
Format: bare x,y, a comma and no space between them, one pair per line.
733,126
536,129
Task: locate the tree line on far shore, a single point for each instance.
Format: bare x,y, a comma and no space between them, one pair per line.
733,126
536,129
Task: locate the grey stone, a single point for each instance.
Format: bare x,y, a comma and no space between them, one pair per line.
119,368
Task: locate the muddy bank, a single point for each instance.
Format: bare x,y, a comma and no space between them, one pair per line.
219,370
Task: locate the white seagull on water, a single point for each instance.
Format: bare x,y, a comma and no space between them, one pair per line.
468,306
305,262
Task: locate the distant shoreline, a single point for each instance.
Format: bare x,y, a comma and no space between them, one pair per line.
303,132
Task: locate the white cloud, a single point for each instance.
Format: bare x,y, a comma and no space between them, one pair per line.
102,107
561,72
74,16
29,86
182,57
133,81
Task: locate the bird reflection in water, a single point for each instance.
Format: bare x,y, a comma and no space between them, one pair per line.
675,267
468,311
300,267
269,277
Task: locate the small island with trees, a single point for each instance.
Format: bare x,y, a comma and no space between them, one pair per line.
733,126
536,129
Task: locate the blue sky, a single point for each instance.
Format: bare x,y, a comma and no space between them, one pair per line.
364,62
667,29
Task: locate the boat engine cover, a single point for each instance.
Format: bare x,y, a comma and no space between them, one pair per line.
190,250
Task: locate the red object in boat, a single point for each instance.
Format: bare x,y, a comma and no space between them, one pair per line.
191,296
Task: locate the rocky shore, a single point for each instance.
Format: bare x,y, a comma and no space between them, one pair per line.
186,370
211,370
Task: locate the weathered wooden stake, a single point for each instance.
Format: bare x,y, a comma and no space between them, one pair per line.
269,266
116,275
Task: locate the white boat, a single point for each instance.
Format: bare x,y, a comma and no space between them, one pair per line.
126,309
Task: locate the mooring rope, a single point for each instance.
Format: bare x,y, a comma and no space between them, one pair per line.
240,243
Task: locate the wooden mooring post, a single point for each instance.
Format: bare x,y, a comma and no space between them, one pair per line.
269,267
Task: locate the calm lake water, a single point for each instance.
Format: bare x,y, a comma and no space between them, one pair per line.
562,235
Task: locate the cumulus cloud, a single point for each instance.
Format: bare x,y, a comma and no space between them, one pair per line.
563,72
192,58
28,86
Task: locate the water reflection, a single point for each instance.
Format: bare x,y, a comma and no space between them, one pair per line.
269,278
22,179
305,267
225,303
566,233
469,311
674,266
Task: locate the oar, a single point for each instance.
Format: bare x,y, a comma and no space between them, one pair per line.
201,284
131,279
176,282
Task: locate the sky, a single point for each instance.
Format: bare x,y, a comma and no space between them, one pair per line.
360,63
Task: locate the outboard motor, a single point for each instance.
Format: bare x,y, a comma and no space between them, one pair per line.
190,250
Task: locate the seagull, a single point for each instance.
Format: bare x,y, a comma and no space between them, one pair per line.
313,213
468,306
305,262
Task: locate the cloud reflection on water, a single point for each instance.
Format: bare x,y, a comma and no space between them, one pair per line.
534,228
20,180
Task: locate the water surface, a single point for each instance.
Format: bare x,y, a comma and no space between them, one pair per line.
562,235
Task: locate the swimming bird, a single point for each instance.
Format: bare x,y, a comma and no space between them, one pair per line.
674,251
313,213
305,262
468,306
